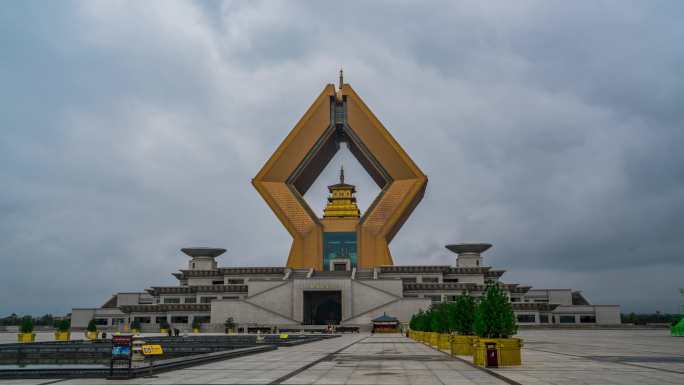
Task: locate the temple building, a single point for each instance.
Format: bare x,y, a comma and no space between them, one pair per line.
339,269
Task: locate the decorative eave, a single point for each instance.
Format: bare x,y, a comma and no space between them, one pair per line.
494,273
468,270
520,289
442,286
413,269
166,307
251,270
530,306
197,289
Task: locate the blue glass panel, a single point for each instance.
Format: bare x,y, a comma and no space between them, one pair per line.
339,245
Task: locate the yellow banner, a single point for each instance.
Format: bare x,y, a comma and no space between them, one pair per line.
152,350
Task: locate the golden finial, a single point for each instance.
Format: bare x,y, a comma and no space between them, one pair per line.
342,174
341,78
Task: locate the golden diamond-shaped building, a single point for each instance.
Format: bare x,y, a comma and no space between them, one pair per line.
340,116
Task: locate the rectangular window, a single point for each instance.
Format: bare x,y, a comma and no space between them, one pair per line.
171,300
587,319
410,295
118,321
339,245
434,298
179,319
203,319
206,299
236,281
544,318
567,319
101,321
515,299
142,320
190,299
430,279
451,298
160,319
408,279
450,280
527,318
217,282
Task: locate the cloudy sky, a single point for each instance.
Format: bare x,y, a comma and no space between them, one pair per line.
552,129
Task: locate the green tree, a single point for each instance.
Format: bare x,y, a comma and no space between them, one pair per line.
494,317
63,325
27,325
439,321
464,314
92,326
229,324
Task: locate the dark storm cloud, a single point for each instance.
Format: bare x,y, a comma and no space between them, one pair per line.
551,129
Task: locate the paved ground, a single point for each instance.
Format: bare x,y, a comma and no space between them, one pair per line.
549,357
350,359
599,357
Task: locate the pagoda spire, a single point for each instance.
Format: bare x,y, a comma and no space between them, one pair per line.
341,201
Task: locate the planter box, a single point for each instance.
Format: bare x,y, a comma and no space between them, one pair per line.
91,335
26,337
462,345
507,351
444,341
62,335
434,339
164,330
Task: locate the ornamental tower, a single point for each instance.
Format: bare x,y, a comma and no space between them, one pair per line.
341,202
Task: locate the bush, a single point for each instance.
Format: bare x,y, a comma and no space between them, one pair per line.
439,320
494,317
229,324
464,314
163,325
27,325
196,324
92,326
63,325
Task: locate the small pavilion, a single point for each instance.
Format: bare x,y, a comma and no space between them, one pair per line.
385,324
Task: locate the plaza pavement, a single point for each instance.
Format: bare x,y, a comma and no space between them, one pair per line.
351,359
549,357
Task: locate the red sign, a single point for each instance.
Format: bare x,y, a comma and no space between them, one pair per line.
122,340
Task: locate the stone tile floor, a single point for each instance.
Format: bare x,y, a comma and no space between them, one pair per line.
350,359
599,357
549,357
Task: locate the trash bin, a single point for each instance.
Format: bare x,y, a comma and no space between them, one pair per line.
492,355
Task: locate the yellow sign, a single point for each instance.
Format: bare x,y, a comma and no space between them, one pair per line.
152,350
283,336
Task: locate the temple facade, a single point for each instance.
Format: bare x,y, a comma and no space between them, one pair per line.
339,269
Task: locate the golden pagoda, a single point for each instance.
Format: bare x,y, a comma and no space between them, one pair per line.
341,202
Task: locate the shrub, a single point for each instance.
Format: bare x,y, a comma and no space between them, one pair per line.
439,321
196,324
464,314
27,325
135,324
494,317
164,324
63,325
229,324
92,326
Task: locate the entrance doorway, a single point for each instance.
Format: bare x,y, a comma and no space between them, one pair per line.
322,307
